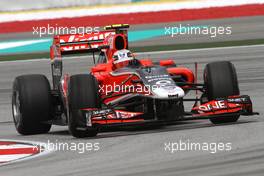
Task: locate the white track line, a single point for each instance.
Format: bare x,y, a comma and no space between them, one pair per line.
7,45
14,146
10,158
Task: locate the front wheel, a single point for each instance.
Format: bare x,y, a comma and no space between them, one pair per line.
83,93
220,80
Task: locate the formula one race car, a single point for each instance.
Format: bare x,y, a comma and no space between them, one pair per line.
121,90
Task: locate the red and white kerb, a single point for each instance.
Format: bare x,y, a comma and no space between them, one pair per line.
11,151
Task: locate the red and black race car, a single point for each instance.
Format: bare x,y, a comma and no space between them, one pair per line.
121,90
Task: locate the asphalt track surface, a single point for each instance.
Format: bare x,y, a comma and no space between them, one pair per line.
142,151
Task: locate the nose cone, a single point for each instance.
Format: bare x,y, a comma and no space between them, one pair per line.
168,92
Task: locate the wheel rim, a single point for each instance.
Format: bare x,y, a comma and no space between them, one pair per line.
16,107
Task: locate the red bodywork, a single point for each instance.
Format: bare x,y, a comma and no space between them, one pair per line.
79,43
108,42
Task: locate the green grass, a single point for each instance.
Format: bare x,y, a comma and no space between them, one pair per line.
24,56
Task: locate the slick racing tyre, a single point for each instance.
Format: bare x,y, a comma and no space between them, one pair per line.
220,80
83,93
31,104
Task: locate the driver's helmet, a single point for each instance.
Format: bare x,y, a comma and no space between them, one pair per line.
121,58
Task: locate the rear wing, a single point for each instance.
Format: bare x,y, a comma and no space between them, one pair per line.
84,43
78,43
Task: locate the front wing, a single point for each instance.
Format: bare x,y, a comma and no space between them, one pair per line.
222,107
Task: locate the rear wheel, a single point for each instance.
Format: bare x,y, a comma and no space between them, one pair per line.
220,80
31,104
83,93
